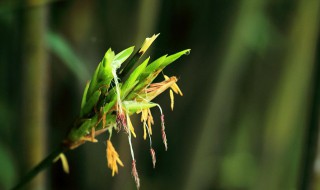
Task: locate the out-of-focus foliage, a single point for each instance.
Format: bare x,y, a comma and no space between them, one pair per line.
58,46
8,174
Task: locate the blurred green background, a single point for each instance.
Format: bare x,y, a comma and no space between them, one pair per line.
249,117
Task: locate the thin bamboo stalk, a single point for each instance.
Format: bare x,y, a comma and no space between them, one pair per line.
203,172
41,166
35,72
286,116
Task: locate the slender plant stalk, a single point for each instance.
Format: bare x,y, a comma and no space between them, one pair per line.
288,108
223,95
41,166
34,114
48,161
311,138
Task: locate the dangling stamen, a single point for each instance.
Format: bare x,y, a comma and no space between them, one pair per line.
153,153
164,136
144,131
113,158
144,117
150,140
134,171
130,126
172,99
150,121
135,174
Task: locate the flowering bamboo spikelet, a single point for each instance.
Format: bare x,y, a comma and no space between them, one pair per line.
109,101
134,173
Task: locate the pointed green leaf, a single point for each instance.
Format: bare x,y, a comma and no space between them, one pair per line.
174,57
94,82
147,43
129,65
132,80
84,97
103,74
152,70
93,100
153,66
109,105
121,57
105,71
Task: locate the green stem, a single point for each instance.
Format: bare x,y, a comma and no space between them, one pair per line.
42,165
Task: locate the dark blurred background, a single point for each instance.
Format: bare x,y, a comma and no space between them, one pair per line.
248,119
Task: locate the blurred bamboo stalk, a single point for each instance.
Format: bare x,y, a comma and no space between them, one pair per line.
286,116
203,169
147,18
35,73
309,169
